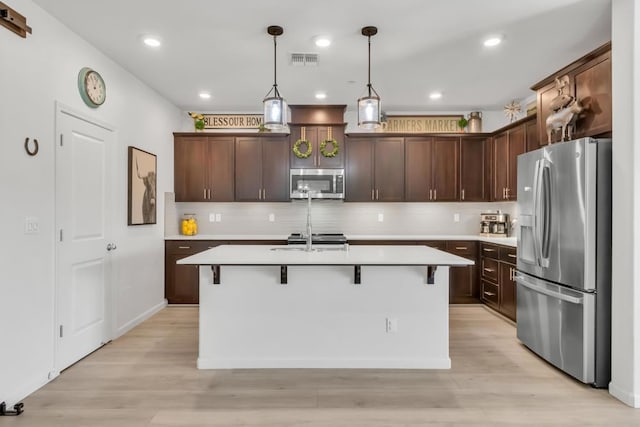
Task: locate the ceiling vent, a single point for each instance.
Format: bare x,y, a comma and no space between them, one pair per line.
304,59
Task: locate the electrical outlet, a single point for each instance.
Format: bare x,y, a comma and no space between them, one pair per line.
380,217
31,225
212,217
272,217
219,217
392,325
456,217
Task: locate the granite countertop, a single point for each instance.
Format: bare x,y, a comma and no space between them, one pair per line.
507,241
348,255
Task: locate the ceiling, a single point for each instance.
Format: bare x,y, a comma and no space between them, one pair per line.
223,48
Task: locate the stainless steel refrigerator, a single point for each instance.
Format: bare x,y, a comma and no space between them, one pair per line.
564,256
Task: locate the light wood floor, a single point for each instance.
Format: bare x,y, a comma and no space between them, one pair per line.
148,378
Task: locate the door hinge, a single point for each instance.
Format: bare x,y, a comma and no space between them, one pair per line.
61,234
61,331
61,140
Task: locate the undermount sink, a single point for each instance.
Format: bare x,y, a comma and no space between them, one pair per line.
319,248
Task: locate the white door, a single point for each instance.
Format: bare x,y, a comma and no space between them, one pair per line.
83,179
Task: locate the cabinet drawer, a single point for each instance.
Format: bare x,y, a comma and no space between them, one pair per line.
436,244
490,294
467,249
489,250
189,246
508,254
489,269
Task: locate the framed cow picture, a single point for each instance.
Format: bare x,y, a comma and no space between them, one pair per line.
142,198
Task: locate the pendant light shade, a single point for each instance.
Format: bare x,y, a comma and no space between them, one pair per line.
275,107
369,106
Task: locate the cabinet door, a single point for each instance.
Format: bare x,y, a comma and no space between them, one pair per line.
516,147
444,167
190,169
463,285
418,169
533,142
389,169
337,133
472,171
248,170
545,95
500,168
359,170
311,135
221,169
488,170
593,90
181,281
275,169
507,290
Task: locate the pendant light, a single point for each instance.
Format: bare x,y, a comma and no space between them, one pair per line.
369,106
275,107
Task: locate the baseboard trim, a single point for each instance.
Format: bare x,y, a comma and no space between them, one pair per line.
444,363
139,319
626,397
27,389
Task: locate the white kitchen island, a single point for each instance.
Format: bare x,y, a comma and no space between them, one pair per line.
364,307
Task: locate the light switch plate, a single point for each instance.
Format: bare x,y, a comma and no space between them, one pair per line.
212,217
219,217
272,217
380,217
456,217
31,225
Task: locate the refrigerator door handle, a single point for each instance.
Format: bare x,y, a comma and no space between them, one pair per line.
537,189
568,298
545,241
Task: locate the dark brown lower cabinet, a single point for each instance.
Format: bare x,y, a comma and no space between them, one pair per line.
463,281
498,270
181,282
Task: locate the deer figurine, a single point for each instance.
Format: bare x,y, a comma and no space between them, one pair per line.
563,119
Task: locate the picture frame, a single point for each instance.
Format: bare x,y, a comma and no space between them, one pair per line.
142,180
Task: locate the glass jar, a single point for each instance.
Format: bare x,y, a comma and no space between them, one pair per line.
189,225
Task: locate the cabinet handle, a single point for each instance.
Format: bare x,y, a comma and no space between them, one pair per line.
488,250
209,194
372,194
204,196
463,194
508,190
264,194
430,194
489,294
435,194
377,198
461,248
489,270
511,273
184,247
511,256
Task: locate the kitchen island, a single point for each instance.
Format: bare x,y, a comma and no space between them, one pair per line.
337,307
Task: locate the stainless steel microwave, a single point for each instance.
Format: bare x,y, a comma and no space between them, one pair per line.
322,183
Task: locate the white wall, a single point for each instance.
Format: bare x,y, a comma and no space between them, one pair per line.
625,381
34,74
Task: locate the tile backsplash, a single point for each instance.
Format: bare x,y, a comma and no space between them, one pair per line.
330,216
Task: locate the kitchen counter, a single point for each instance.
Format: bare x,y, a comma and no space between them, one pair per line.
507,241
366,307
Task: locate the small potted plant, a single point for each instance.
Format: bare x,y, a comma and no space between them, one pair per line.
462,123
198,121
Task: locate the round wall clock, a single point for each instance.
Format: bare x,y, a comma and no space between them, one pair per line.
92,88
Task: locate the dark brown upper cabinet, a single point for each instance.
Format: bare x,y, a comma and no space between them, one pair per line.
473,186
262,169
374,169
431,169
203,168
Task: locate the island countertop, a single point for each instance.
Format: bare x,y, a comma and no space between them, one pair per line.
353,255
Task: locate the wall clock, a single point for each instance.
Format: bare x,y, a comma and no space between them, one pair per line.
92,88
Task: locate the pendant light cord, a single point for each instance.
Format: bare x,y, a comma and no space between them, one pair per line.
369,72
275,69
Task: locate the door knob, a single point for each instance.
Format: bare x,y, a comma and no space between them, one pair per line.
111,247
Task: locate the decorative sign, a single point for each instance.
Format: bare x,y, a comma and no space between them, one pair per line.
232,121
423,124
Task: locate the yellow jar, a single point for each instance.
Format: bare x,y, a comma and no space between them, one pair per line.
189,225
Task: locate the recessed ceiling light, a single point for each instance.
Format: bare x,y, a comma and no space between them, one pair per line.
493,41
435,95
322,41
151,41
204,95
321,95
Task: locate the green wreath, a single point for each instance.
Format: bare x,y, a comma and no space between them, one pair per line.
333,152
296,149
